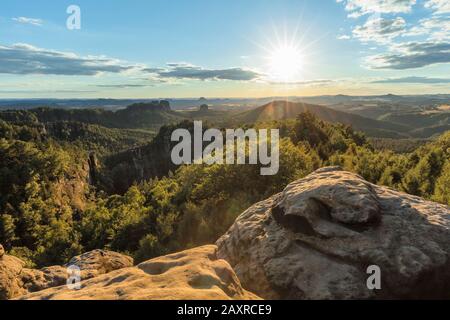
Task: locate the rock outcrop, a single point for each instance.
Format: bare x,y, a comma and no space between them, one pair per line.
10,282
317,238
15,280
98,262
193,274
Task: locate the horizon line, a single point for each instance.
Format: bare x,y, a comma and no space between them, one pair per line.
233,98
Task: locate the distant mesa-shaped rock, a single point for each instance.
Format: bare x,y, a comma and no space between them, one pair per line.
193,274
204,107
316,239
153,105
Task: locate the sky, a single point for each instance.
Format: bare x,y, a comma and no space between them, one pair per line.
233,48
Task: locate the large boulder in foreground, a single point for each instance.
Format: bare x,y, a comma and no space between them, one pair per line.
16,280
317,238
193,274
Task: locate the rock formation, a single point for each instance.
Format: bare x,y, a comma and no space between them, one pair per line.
15,280
317,238
194,274
10,268
204,108
98,262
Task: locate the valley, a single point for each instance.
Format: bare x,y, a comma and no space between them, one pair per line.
224,150
95,175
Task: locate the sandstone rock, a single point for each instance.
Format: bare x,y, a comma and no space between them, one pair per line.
36,280
98,262
2,251
193,274
10,282
16,280
316,239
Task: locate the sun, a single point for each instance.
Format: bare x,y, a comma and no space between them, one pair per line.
285,63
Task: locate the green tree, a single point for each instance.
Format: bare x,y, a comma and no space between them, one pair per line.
7,231
442,189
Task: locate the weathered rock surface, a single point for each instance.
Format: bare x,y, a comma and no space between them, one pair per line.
193,274
316,239
97,262
15,280
10,282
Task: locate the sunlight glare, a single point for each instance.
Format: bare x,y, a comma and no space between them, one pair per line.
285,63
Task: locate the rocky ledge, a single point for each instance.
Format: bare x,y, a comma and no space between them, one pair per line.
317,238
15,280
193,274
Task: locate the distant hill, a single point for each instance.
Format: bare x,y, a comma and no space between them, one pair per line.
409,100
90,137
280,110
419,119
151,115
425,123
376,119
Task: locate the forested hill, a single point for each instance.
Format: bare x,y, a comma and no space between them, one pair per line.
282,109
141,115
153,115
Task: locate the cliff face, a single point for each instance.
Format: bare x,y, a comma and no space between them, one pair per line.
317,238
142,163
139,164
74,186
314,240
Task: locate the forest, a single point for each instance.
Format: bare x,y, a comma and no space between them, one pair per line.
63,189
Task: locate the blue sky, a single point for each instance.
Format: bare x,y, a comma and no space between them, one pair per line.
233,48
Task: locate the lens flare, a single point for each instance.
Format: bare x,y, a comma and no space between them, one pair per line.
285,63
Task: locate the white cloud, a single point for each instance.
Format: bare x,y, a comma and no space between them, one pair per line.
433,46
344,37
436,28
359,8
27,59
414,80
411,55
439,6
192,72
380,30
32,21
